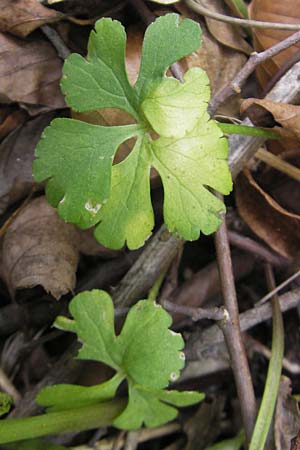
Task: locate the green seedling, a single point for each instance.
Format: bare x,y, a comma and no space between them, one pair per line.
173,131
146,354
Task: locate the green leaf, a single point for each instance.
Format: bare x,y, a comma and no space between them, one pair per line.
153,407
189,153
166,41
68,396
188,166
146,352
128,214
6,402
100,81
76,158
174,108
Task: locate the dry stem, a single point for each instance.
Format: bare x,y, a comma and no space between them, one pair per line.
232,333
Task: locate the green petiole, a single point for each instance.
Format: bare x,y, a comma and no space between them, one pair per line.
230,128
79,419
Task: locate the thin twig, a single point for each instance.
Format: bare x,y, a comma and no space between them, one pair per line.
195,6
279,287
255,59
258,250
7,386
57,42
196,313
232,333
278,163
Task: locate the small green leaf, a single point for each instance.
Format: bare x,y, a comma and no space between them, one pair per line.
166,41
100,81
187,167
146,352
152,353
128,214
6,402
68,396
153,407
174,108
76,158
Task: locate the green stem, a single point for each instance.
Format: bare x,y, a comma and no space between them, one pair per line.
84,418
230,128
268,403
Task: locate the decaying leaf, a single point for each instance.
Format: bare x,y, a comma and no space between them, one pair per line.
21,17
40,249
279,228
16,157
225,33
273,11
287,416
10,119
30,71
204,426
287,115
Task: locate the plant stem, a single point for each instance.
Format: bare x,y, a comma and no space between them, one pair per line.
85,418
195,6
255,59
268,403
230,128
232,333
278,163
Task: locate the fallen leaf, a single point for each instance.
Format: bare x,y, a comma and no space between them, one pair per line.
30,71
10,119
204,426
273,11
279,228
40,249
287,416
16,157
287,115
21,17
225,33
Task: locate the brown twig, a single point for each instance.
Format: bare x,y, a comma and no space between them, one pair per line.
193,4
232,333
255,59
257,249
196,313
279,287
57,42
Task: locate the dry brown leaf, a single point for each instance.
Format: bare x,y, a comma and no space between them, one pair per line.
225,33
287,416
40,249
10,119
279,228
287,11
21,17
287,115
16,157
30,72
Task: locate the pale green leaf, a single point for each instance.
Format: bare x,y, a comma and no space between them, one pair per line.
153,407
188,166
93,314
166,41
128,214
151,352
76,158
68,396
146,352
6,402
100,81
174,108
